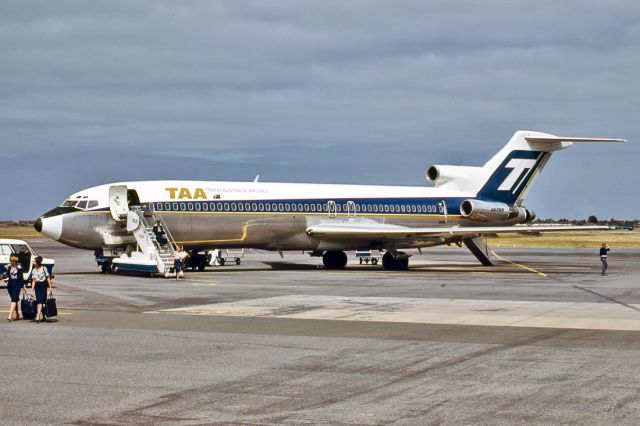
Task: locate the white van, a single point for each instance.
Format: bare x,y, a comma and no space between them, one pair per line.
25,255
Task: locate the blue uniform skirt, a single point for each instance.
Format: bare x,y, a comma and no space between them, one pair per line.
14,288
41,291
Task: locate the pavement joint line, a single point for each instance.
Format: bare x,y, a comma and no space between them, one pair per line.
611,299
542,274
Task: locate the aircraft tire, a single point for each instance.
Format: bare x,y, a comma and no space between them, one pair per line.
391,264
334,259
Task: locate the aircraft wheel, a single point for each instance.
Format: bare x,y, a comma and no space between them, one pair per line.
388,262
238,261
374,261
115,269
361,261
334,259
391,264
201,265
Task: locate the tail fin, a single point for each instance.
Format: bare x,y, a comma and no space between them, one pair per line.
512,170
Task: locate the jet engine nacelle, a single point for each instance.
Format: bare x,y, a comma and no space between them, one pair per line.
461,178
486,211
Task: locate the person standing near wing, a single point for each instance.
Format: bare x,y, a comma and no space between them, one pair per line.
603,257
41,284
15,284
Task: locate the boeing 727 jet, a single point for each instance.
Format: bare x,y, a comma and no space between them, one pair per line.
464,203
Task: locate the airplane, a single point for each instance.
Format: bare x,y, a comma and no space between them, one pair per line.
464,204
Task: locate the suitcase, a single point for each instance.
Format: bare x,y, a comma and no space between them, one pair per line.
28,307
50,308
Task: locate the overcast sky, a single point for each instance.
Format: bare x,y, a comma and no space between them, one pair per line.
315,91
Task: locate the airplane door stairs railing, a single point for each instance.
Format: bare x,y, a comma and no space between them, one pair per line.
142,229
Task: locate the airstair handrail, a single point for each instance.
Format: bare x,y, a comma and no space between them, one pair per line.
172,241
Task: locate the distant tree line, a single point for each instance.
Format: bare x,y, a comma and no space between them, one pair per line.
593,220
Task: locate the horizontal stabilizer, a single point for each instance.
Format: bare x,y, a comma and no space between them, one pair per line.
570,139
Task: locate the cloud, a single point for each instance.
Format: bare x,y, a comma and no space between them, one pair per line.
266,84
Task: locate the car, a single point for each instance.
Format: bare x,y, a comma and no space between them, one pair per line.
25,255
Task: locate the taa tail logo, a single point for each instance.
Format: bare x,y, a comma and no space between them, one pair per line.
521,168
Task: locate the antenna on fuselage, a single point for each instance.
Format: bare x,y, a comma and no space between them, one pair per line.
257,178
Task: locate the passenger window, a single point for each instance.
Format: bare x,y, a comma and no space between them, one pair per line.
274,207
313,207
198,207
205,206
247,207
254,207
159,206
240,207
167,206
413,208
293,207
183,207
267,207
174,206
92,204
190,206
386,208
261,207
281,207
300,207
226,207
287,207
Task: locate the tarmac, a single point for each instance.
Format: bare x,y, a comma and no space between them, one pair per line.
539,338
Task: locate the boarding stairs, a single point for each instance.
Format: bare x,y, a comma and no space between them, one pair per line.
140,222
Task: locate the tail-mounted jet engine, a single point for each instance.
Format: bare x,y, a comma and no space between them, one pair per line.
486,211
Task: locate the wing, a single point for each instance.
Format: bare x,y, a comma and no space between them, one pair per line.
341,231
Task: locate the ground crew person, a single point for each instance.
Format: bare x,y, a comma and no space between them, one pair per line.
603,257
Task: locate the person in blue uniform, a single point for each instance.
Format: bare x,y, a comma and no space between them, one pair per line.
177,265
604,249
15,284
41,285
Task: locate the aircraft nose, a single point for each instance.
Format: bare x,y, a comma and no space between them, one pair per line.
49,226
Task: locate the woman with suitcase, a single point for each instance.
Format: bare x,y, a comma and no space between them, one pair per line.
15,284
41,284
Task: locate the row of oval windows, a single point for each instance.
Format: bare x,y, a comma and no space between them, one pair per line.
299,207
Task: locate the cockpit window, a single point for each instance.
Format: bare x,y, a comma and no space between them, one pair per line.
80,204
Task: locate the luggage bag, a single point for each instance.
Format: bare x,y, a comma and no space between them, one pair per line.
28,307
50,308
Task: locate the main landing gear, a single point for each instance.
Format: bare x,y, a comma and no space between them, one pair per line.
398,263
334,259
